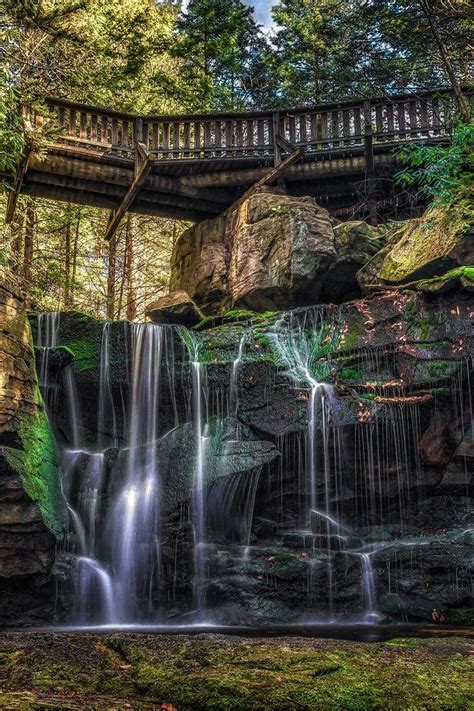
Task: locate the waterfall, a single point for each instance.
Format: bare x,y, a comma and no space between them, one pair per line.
200,415
47,337
234,375
303,343
134,518
106,407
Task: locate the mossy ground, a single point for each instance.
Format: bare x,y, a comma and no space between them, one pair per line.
69,671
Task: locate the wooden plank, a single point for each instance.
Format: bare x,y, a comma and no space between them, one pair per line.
412,115
104,130
18,182
292,129
94,127
114,132
303,128
166,136
436,116
139,178
270,177
335,128
357,121
250,141
187,135
72,123
324,126
378,119
390,118
176,128
239,134
197,134
346,126
155,136
401,120
125,134
229,135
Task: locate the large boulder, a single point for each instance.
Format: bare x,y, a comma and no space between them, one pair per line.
29,484
175,308
272,252
426,247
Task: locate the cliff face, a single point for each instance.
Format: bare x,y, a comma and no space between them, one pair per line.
393,456
29,483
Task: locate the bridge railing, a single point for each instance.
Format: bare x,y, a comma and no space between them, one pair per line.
322,129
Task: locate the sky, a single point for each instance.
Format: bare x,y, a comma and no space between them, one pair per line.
262,11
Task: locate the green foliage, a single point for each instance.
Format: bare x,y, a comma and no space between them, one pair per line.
12,138
216,42
444,173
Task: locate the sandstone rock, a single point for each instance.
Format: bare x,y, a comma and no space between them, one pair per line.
200,264
429,247
175,308
29,486
273,252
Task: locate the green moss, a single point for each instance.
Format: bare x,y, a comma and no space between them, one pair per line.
428,238
84,352
458,273
235,674
36,463
368,396
349,374
418,321
441,369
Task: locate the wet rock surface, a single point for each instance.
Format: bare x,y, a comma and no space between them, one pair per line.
394,466
27,465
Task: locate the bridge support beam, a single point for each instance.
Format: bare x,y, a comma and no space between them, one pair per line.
270,177
143,166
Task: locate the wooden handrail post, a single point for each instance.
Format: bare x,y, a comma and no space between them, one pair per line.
137,139
369,163
276,132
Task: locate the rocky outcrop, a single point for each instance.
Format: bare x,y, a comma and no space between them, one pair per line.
272,252
434,250
29,487
175,308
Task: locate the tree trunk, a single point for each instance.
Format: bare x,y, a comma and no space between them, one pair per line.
16,231
74,258
463,104
111,279
28,251
131,312
67,265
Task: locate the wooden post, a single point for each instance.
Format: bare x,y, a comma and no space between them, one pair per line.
369,163
276,132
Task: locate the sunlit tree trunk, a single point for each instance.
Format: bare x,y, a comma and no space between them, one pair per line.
67,265
16,231
28,250
111,279
129,271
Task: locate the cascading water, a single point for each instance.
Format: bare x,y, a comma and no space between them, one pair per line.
190,502
134,516
303,343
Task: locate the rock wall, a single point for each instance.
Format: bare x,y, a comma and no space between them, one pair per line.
399,444
29,487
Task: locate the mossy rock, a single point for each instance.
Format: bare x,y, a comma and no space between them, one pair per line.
429,245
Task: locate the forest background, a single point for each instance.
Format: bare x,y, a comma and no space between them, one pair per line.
153,56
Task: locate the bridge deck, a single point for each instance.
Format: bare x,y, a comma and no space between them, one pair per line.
200,164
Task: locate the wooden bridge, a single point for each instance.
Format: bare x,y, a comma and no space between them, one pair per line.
196,167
